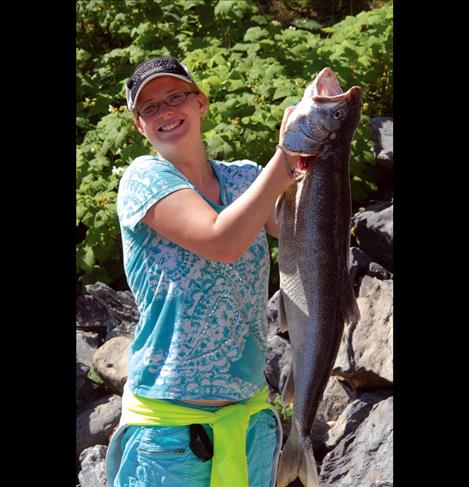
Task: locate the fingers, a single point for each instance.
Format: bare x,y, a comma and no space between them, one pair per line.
286,115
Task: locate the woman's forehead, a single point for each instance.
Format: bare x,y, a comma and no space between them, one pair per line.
161,86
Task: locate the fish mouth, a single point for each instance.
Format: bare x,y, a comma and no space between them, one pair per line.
305,163
325,88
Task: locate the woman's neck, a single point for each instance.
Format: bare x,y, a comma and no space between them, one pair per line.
193,163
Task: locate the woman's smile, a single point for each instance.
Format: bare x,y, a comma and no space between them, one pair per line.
168,126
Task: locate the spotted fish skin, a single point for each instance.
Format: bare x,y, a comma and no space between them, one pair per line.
316,296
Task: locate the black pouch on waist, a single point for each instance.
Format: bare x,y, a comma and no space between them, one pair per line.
200,442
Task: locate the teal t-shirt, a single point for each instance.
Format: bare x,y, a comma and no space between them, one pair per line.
202,330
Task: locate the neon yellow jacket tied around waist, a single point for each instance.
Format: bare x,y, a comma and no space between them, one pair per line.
229,423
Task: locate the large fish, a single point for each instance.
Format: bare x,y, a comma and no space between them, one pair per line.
316,296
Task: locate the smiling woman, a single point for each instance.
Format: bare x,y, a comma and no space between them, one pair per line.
151,108
165,114
197,261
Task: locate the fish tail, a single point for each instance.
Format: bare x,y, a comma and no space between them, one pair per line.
297,460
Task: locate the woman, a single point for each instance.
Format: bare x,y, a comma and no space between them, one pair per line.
197,261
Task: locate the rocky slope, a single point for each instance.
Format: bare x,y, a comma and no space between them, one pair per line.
353,431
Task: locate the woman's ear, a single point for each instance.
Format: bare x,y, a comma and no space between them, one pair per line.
138,124
203,104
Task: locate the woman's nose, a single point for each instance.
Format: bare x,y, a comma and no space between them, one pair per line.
165,110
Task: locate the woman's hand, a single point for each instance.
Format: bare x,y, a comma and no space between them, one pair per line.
290,158
283,125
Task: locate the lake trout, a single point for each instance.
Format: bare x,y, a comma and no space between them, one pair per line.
316,297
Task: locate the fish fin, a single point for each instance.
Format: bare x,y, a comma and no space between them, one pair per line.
282,316
350,310
288,390
297,461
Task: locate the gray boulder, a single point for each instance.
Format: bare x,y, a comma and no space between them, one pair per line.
335,399
95,425
110,362
120,306
93,471
365,357
382,135
92,316
86,345
351,418
373,229
278,362
363,457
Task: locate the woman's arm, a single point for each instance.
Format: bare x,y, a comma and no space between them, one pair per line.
272,226
186,219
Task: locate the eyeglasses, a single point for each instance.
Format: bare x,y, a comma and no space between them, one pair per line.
152,107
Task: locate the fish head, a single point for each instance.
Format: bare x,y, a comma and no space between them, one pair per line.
324,118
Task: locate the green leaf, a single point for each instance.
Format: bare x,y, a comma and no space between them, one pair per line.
307,24
86,257
234,10
254,34
250,66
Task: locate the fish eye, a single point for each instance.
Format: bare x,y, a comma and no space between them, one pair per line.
338,114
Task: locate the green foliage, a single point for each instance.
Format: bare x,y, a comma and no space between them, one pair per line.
95,378
285,412
249,65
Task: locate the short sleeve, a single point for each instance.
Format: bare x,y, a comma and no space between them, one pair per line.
250,170
146,181
238,176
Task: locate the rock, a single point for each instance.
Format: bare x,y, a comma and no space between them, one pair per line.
319,432
373,230
93,471
86,390
272,314
89,393
382,135
278,362
110,362
376,270
364,457
365,357
335,399
92,316
350,419
81,373
95,425
120,306
361,264
86,345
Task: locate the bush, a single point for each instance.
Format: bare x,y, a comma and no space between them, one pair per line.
251,67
